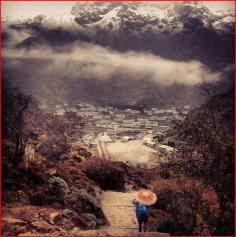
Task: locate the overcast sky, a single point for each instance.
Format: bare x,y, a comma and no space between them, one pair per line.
14,10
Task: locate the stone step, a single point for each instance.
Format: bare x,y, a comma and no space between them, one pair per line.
117,232
126,200
112,232
116,203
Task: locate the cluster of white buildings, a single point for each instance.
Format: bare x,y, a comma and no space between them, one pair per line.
114,121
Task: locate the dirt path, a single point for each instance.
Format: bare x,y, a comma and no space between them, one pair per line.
101,147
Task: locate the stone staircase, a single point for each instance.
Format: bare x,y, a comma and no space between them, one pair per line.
119,210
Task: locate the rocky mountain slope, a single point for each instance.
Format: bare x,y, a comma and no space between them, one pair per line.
137,26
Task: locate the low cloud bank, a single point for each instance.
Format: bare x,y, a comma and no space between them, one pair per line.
86,61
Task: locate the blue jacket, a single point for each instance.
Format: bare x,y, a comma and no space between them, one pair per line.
142,210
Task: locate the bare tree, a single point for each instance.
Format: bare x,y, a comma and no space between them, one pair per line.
16,124
206,153
15,106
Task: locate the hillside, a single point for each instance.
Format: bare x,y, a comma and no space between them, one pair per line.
57,186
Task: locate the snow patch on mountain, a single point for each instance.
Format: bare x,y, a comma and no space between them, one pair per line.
151,12
110,20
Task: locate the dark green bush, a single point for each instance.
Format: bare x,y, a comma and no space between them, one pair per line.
58,189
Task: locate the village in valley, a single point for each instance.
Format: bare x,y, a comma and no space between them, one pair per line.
107,129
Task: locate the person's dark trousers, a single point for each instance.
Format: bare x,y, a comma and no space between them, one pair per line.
142,226
142,219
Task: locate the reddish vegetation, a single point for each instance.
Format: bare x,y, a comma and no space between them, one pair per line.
55,185
155,216
106,174
28,203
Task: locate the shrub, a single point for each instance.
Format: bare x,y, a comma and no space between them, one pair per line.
58,189
163,197
165,174
185,205
83,202
53,147
166,226
40,197
107,174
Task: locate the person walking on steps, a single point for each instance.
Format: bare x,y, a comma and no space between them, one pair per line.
143,200
142,214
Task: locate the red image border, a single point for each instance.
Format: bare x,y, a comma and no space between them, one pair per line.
103,1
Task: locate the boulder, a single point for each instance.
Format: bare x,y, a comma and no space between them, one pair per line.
88,221
53,217
22,197
13,221
42,226
67,219
52,171
12,226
